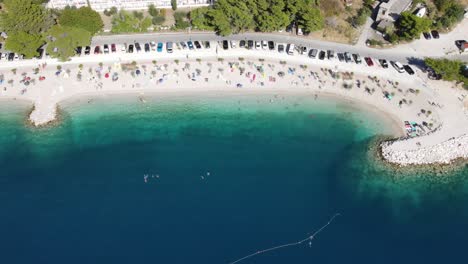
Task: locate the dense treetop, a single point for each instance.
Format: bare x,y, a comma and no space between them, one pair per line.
30,25
234,16
83,17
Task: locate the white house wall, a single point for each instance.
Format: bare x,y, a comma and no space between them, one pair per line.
101,5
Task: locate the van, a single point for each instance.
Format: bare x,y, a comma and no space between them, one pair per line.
290,49
398,66
169,47
313,53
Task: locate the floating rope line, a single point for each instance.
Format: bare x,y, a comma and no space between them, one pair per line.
309,238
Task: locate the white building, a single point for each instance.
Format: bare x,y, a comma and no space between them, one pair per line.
101,5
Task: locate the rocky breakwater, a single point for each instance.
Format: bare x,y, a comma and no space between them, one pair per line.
43,114
442,153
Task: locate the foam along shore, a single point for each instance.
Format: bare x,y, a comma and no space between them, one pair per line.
434,109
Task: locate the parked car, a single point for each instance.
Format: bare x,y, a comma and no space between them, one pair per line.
322,55
242,44
184,46
258,45
330,54
207,44
197,44
147,47
106,49
264,44
11,56
427,35
97,50
348,57
40,52
383,63
460,44
130,48
137,47
340,56
303,50
271,45
190,45
124,48
357,58
153,45
290,49
3,56
408,69
87,50
398,66
250,44
113,48
225,44
233,44
435,34
369,61
313,53
280,48
78,51
160,47
169,47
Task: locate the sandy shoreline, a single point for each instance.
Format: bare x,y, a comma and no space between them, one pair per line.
392,121
434,107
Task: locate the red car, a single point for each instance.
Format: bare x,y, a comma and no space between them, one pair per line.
369,61
113,49
97,50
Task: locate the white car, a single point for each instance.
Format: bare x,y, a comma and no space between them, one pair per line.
3,56
233,44
153,45
16,57
124,49
398,66
264,45
257,45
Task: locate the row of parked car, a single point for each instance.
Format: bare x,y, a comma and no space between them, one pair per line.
291,49
145,47
433,34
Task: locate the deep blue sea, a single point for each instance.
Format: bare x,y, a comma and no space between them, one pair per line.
226,176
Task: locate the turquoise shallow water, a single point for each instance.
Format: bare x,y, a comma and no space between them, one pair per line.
236,174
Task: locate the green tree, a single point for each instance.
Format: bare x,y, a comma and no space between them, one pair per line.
181,20
126,22
83,17
362,14
174,5
199,18
410,26
26,16
24,43
310,19
152,10
222,25
63,40
453,14
451,70
269,15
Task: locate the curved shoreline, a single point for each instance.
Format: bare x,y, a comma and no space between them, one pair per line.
261,70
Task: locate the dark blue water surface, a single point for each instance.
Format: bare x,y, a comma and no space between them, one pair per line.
226,177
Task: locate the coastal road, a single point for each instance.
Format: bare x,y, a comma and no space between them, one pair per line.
405,55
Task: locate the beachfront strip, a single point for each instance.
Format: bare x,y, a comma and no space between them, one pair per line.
428,114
